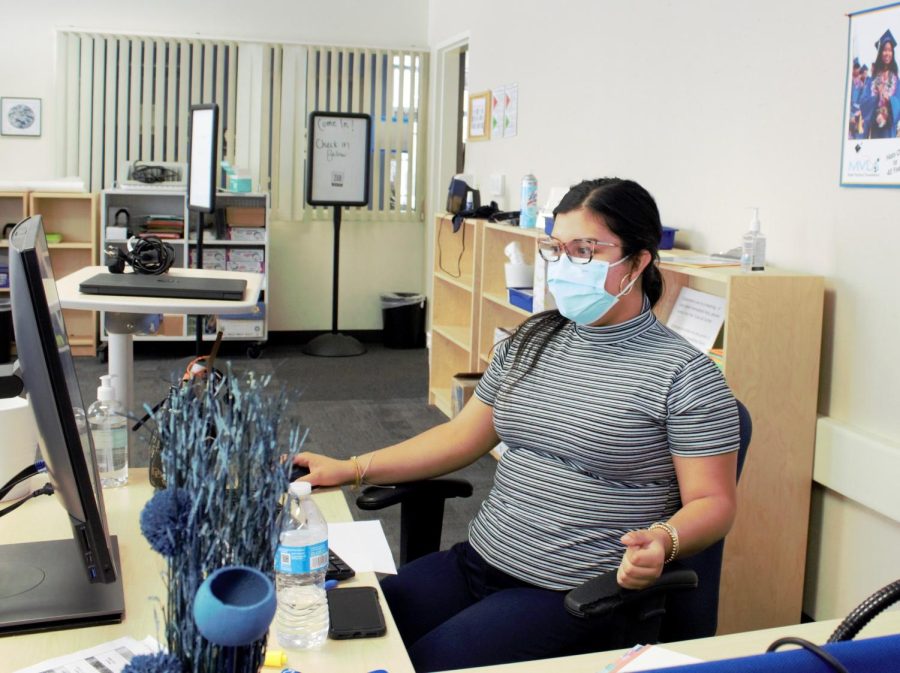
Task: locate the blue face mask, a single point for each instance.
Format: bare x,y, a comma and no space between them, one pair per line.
580,289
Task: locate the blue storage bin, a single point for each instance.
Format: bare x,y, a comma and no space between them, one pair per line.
522,297
668,238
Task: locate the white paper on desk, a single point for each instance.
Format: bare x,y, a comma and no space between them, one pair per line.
698,317
362,545
111,656
654,657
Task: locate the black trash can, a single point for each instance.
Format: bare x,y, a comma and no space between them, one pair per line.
404,319
6,331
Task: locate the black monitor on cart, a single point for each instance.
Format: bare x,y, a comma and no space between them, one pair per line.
73,582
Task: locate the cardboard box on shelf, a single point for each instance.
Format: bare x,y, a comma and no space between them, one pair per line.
245,217
461,389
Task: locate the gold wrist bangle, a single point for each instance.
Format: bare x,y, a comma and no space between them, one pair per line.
358,478
673,535
362,476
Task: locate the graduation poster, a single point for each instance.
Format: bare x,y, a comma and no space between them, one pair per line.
871,145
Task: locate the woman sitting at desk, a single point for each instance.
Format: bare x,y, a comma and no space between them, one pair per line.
621,437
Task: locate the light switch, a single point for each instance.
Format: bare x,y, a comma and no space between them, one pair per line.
498,180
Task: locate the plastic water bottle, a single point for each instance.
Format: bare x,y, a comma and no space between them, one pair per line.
301,559
109,429
529,209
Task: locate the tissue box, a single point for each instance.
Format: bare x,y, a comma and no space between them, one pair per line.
249,260
240,183
255,234
519,275
213,258
522,297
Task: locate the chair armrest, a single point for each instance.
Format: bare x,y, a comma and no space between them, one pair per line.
603,593
379,497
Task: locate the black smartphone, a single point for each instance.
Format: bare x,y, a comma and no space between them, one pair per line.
354,612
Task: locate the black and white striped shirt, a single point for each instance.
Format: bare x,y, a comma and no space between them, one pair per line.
590,432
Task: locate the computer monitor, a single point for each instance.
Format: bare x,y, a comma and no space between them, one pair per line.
55,583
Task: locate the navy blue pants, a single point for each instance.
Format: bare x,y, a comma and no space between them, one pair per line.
453,610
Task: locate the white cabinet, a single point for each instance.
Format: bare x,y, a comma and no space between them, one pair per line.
235,237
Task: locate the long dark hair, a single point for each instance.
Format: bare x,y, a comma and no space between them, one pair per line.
631,214
878,67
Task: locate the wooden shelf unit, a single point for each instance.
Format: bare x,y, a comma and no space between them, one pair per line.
13,209
771,338
76,216
456,288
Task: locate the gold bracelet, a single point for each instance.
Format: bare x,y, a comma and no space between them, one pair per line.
673,535
358,478
362,476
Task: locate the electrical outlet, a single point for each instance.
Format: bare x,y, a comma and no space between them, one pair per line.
498,182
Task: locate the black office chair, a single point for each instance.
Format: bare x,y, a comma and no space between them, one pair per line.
682,604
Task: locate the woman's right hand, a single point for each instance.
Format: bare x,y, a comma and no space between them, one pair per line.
325,471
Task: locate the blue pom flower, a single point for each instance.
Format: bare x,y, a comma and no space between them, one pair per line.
161,662
164,520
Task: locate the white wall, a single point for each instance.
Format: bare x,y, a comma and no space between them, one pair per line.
376,256
716,106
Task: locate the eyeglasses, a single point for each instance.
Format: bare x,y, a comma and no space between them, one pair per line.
578,250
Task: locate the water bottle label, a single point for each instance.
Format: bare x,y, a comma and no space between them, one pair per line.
311,558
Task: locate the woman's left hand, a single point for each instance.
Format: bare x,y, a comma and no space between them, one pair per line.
643,560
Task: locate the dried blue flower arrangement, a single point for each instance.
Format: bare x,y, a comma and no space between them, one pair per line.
161,662
224,449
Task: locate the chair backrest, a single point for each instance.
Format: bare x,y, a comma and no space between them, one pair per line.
695,614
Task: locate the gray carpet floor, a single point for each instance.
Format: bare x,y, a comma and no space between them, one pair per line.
350,406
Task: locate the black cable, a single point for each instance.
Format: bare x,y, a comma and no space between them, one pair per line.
46,489
458,273
865,612
22,475
152,173
147,255
810,647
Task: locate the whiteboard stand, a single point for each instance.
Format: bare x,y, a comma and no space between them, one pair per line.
334,344
338,174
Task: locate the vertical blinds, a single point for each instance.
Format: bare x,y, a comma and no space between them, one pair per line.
127,99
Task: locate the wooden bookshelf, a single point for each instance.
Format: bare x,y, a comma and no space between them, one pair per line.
75,216
771,340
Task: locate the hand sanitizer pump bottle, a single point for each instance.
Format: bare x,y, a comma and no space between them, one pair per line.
753,246
109,430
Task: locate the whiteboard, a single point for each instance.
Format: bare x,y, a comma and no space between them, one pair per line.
204,125
340,145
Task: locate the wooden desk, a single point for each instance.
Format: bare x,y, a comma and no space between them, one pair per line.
707,649
142,568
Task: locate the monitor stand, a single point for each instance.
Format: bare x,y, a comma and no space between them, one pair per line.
44,587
